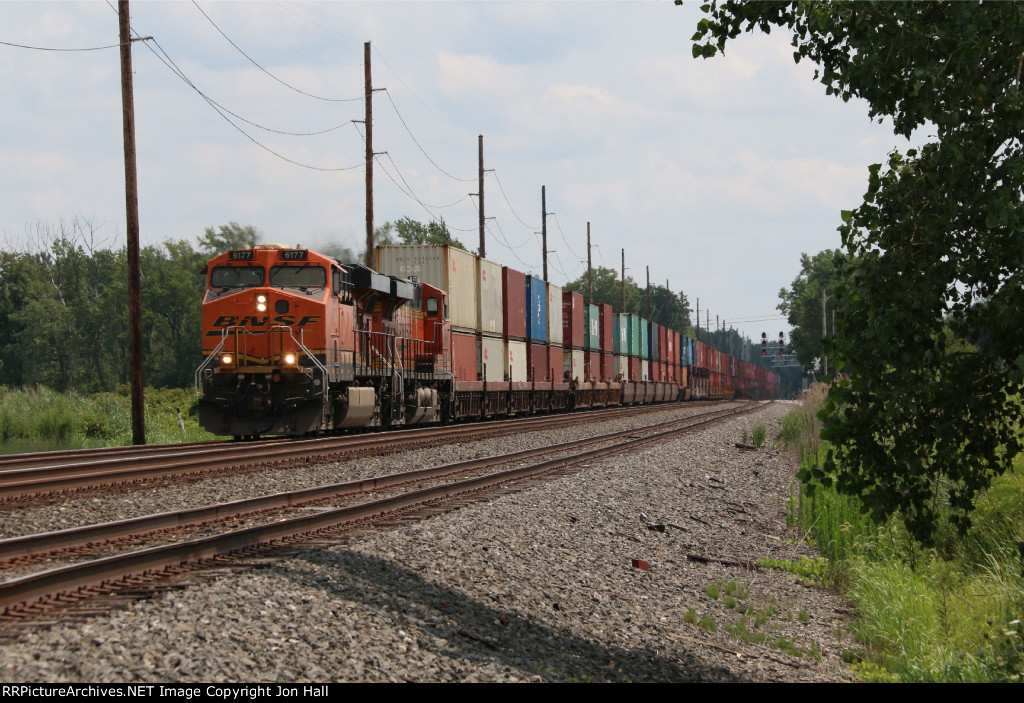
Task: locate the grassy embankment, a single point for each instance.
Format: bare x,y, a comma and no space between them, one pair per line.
38,419
951,613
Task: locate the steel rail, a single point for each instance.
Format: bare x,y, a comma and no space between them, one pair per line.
88,535
151,562
22,483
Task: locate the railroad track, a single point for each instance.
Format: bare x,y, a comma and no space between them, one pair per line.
42,476
145,571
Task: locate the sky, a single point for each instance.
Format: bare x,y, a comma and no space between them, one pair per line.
716,174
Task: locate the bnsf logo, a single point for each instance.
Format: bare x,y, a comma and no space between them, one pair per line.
258,321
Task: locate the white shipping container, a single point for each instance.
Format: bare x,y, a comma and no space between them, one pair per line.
515,359
621,367
645,367
492,356
450,269
488,295
572,361
554,314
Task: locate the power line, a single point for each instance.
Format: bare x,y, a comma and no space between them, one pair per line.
49,48
254,63
173,67
558,224
532,227
416,142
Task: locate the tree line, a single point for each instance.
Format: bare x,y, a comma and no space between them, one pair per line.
64,303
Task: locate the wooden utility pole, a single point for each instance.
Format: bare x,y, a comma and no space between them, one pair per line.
480,195
696,326
131,197
648,293
544,229
623,281
369,154
590,272
682,312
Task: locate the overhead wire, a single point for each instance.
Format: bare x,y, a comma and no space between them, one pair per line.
558,224
505,196
420,146
257,65
173,67
50,48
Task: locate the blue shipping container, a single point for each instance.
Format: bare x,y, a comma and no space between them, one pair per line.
652,342
536,309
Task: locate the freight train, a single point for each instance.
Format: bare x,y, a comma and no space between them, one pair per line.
297,343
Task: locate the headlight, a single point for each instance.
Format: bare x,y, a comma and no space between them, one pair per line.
261,303
226,360
289,359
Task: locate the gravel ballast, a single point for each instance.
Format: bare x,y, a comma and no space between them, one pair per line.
582,578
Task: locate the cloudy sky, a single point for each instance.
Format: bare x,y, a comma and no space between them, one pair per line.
717,174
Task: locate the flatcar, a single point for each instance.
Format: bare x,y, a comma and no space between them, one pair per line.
296,343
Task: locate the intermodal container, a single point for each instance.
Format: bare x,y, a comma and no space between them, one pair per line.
653,341
664,346
515,360
464,356
513,299
446,267
554,307
592,365
607,367
621,367
633,343
573,327
573,361
634,368
489,298
536,362
555,372
536,309
492,358
621,326
608,332
591,328
645,371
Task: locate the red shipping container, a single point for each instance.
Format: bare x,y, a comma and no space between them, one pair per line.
464,359
537,362
662,343
607,367
634,368
555,372
593,365
513,301
572,320
607,328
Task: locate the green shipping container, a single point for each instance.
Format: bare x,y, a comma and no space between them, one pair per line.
591,328
634,335
645,333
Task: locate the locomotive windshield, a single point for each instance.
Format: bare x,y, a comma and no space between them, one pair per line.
308,276
236,276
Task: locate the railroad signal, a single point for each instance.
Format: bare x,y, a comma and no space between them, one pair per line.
782,343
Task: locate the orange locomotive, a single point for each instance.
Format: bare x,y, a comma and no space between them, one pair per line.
296,343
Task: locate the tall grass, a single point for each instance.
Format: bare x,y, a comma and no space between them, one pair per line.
921,615
39,419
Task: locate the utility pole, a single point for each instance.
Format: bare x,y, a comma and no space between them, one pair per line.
824,332
623,309
590,272
131,197
648,293
480,195
696,327
544,228
369,154
682,312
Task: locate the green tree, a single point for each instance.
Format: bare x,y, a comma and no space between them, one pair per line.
922,423
412,232
229,236
666,308
802,304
